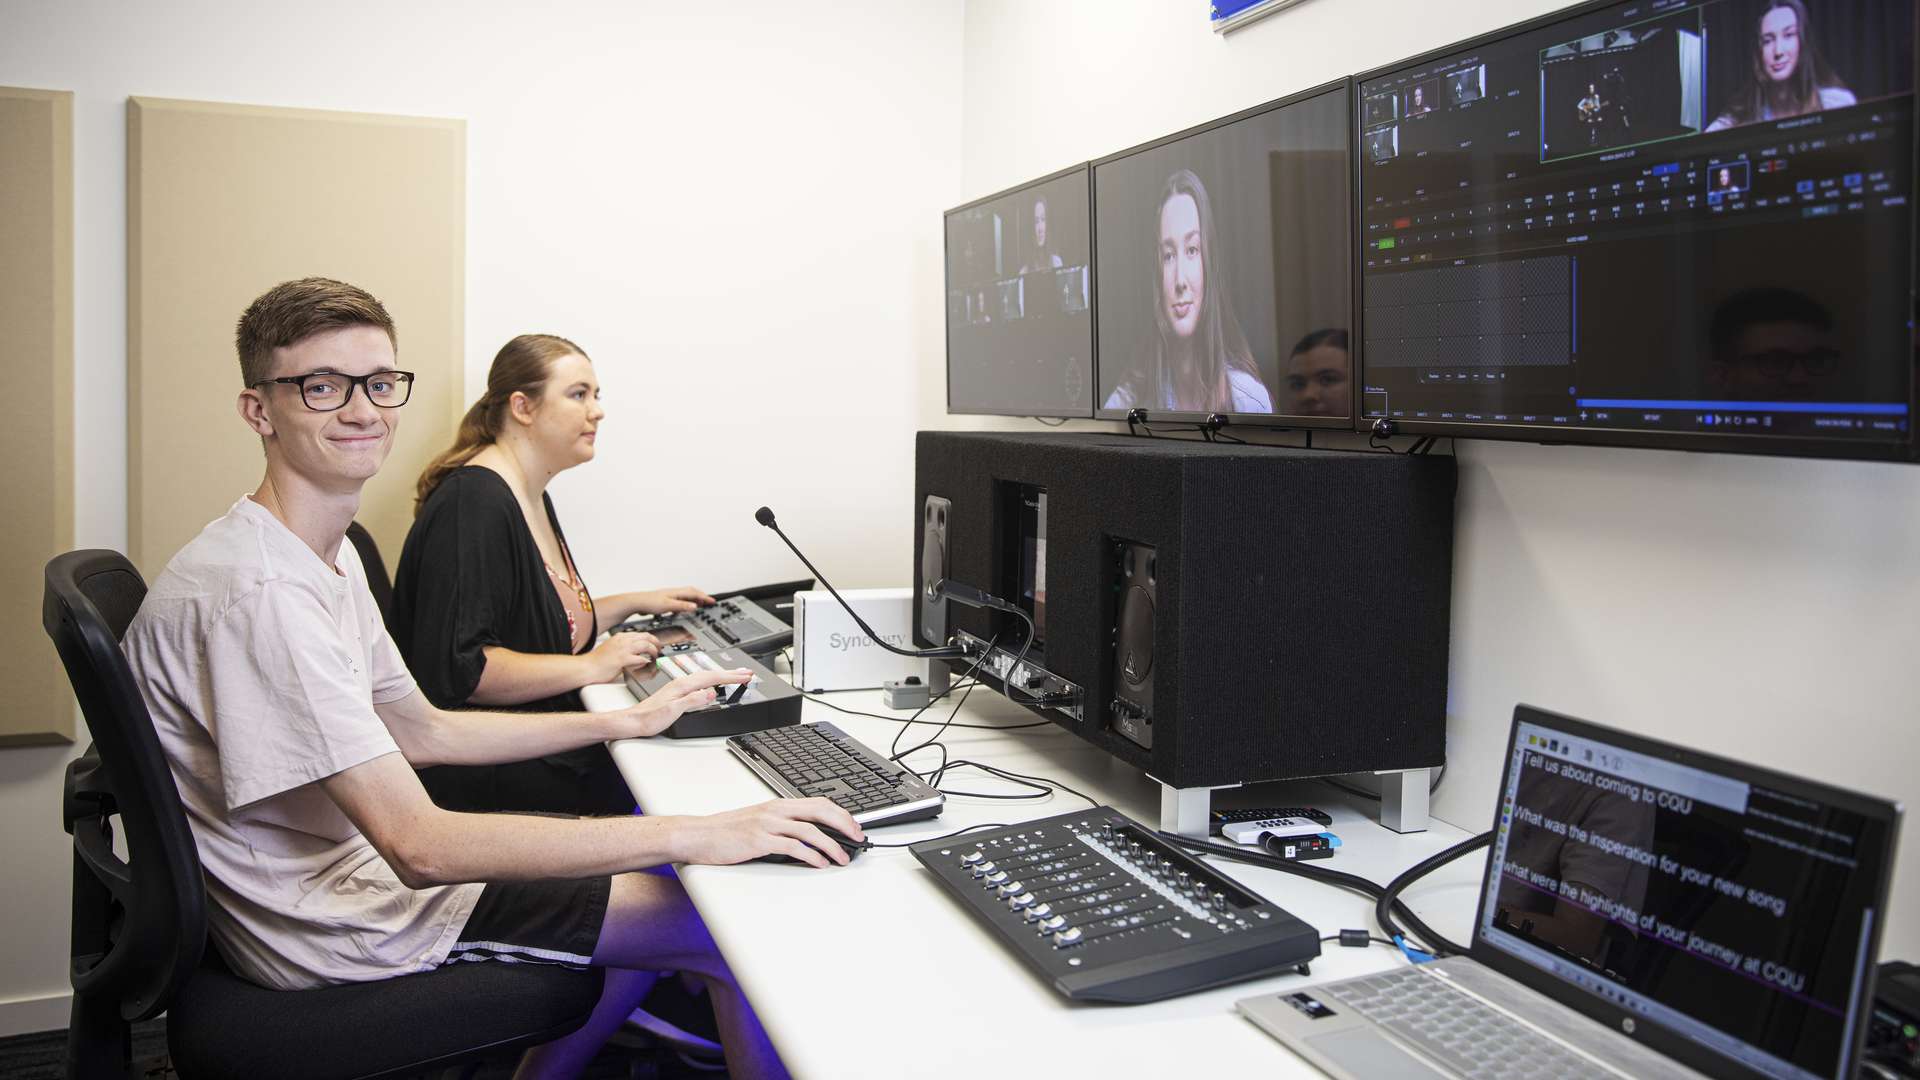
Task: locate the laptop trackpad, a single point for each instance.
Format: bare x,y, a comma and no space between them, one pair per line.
1364,1052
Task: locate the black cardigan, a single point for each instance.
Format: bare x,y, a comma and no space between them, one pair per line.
471,576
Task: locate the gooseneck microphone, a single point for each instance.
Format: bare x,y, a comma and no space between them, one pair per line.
764,516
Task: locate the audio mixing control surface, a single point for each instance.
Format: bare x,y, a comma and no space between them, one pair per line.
1105,910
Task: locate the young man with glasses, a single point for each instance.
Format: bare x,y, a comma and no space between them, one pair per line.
292,727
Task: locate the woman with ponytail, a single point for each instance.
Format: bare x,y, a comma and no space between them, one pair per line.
489,607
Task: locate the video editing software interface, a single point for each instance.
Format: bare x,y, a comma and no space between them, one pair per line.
1019,333
1664,216
1224,268
1738,916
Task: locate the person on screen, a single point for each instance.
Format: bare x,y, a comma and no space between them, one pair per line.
1042,257
1788,76
489,607
1318,377
1771,345
1575,923
1199,360
1417,104
1592,112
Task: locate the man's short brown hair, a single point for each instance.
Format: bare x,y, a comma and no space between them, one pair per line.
293,311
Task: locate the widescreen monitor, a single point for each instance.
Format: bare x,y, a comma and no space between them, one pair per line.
1019,299
1683,224
1224,272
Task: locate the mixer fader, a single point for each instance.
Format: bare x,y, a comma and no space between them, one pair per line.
1107,911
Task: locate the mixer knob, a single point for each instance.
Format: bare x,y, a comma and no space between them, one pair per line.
1053,922
1040,911
1023,900
1220,901
996,877
971,857
985,868
1185,880
1012,888
1152,860
1067,937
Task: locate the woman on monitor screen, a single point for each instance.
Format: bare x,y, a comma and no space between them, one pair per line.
1788,76
488,605
1199,361
1041,256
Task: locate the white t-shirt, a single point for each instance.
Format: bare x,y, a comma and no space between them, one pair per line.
261,666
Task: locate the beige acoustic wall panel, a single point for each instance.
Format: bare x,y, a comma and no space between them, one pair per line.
36,442
225,201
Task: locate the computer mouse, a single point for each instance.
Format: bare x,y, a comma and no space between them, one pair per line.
853,848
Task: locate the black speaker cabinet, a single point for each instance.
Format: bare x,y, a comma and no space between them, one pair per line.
1232,613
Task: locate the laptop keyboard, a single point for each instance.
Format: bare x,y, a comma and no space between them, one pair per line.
1456,1029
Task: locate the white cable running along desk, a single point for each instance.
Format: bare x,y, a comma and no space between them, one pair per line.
870,970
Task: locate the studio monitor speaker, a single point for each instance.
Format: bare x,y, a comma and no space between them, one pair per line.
932,569
1232,613
1131,709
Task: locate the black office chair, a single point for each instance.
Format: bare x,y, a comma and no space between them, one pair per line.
378,581
139,924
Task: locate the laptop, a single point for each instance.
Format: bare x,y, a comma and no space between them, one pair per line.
1647,911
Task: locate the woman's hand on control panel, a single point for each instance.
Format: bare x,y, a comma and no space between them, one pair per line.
669,601
618,653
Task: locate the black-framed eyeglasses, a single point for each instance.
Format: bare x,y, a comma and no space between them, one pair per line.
325,391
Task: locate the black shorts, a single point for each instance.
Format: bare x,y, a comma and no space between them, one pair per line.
535,922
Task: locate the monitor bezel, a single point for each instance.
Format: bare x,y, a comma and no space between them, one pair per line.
1093,293
1640,1028
1809,446
1283,421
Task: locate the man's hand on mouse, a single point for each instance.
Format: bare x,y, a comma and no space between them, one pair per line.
789,827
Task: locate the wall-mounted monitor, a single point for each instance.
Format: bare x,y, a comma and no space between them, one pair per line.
1224,267
1659,223
1019,301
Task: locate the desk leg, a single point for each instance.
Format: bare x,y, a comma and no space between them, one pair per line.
1403,800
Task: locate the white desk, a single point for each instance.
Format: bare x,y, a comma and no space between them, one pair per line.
871,970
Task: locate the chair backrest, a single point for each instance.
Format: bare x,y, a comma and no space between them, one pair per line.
378,582
139,924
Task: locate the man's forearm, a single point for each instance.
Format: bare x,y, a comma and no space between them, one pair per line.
459,737
457,848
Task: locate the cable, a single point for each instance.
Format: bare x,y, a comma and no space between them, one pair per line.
966,682
1009,775
1439,946
1390,896
910,720
948,836
1061,422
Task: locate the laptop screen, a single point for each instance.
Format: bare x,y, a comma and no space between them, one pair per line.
1734,907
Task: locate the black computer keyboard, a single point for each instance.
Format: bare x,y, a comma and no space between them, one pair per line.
818,759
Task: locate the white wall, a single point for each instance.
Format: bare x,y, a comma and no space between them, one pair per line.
1759,608
734,208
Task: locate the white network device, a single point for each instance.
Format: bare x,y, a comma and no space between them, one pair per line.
831,652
